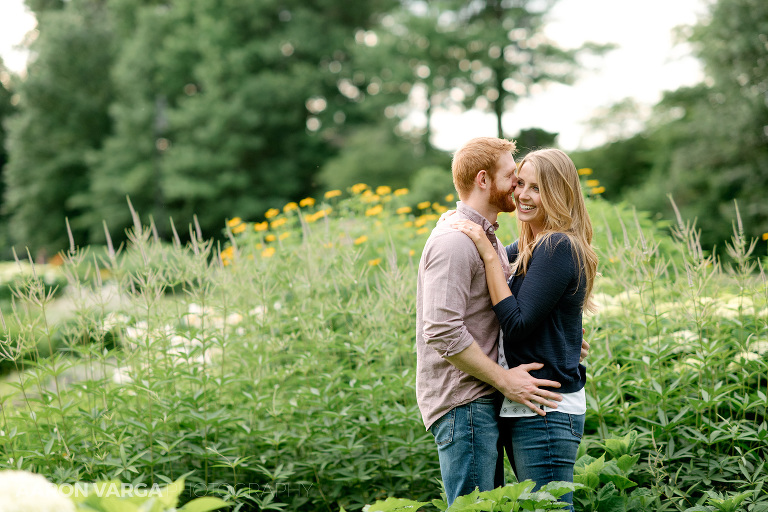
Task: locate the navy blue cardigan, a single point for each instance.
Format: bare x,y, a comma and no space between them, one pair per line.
541,320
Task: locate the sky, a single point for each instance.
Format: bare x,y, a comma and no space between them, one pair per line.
646,63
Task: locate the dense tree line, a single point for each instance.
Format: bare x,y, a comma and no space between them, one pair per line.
707,145
227,109
222,109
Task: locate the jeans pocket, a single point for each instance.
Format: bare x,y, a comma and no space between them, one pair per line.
442,429
577,424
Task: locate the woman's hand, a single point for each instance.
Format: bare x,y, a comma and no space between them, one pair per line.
477,235
445,216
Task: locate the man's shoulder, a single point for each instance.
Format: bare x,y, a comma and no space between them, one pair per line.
446,240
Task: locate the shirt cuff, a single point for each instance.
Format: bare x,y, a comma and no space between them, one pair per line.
450,347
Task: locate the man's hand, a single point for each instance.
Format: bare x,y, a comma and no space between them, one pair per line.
521,387
584,347
584,350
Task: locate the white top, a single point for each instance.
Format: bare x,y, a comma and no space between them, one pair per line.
572,403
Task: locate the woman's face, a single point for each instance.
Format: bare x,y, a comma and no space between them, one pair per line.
528,199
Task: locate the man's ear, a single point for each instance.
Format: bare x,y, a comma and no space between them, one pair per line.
481,179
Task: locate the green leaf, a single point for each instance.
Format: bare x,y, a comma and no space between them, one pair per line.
606,492
620,481
396,504
466,502
511,491
625,462
117,505
169,495
558,489
205,504
589,480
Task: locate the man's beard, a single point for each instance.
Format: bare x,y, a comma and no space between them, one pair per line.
504,201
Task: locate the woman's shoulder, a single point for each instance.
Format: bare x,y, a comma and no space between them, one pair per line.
555,240
556,245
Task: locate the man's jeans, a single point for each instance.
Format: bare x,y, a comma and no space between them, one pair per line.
543,448
466,439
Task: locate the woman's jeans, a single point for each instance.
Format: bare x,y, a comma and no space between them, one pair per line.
466,439
543,448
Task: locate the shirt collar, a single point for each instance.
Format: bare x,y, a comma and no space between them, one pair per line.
475,217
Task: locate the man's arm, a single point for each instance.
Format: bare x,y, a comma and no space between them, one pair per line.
516,383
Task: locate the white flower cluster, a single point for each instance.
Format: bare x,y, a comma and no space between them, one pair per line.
183,349
22,491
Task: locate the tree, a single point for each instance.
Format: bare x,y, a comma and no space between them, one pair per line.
709,142
507,54
229,110
62,116
6,110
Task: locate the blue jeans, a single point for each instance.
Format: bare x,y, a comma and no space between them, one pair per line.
466,439
543,448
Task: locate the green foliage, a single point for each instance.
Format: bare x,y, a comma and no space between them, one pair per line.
62,117
278,372
110,496
432,184
706,145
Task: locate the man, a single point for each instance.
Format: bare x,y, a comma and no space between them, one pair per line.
457,332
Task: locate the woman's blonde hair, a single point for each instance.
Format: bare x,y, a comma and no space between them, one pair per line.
564,212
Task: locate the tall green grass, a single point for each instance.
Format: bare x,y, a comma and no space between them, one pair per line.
277,370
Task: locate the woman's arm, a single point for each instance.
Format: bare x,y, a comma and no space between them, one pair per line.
494,273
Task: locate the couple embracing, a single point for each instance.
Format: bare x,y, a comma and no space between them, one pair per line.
499,329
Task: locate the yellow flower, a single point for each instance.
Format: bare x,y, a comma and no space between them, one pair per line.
261,226
598,190
449,197
441,209
424,205
765,236
585,171
268,252
234,222
408,224
422,231
421,221
259,246
401,191
290,206
403,209
593,183
307,201
277,223
285,235
332,193
328,245
383,190
370,212
361,240
374,262
411,252
272,212
359,187
239,228
270,238
227,255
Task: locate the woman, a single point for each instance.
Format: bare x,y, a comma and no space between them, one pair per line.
540,311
